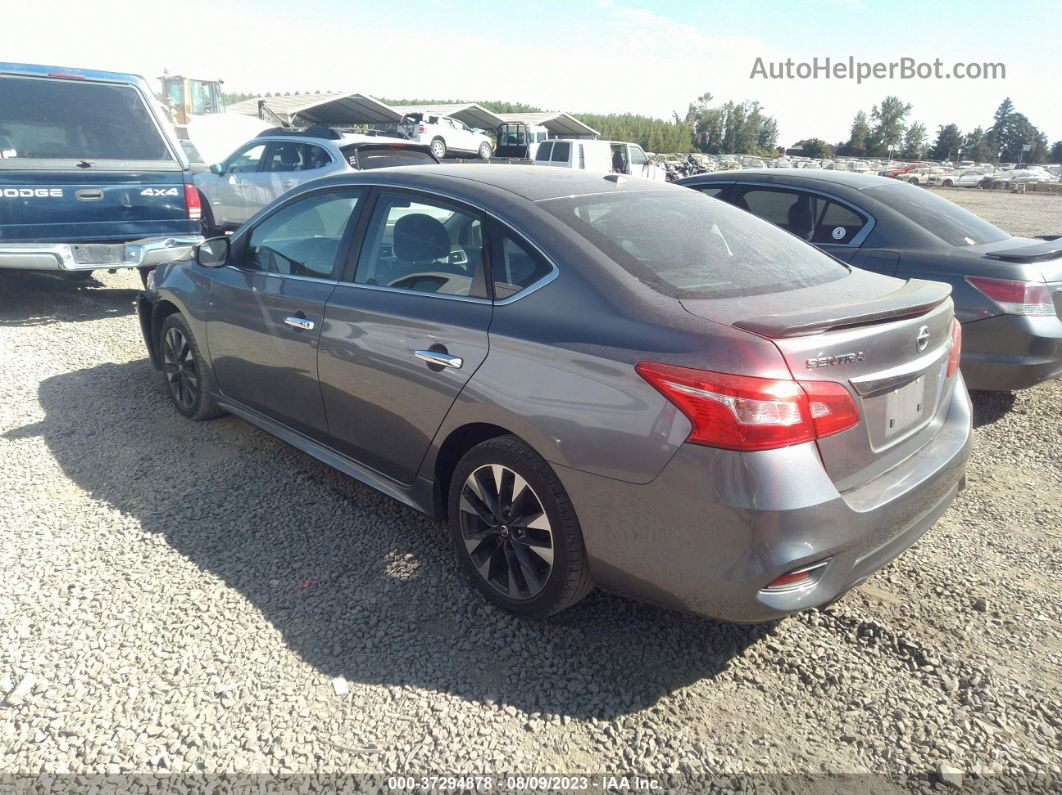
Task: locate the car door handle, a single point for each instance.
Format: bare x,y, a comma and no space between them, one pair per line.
441,359
300,323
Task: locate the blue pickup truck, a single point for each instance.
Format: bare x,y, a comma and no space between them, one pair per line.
91,174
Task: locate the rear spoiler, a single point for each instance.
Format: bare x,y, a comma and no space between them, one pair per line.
1049,249
915,297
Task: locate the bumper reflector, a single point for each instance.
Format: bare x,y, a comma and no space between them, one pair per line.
798,578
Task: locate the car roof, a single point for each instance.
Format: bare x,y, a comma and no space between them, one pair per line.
41,70
796,176
535,183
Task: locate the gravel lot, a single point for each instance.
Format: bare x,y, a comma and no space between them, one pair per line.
202,597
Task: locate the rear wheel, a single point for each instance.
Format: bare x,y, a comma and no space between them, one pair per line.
484,151
948,183
206,218
438,148
515,531
189,383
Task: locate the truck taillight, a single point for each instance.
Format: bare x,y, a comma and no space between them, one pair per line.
191,198
421,129
739,412
956,347
1015,297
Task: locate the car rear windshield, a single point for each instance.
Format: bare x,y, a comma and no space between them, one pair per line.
366,157
686,245
61,119
937,215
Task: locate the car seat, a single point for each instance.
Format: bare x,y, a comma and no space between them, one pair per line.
420,241
799,218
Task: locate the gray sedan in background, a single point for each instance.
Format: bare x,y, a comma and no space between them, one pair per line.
597,380
1007,290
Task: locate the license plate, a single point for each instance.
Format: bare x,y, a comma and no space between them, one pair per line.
904,407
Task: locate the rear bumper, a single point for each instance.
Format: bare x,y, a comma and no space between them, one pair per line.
144,253
1009,352
715,527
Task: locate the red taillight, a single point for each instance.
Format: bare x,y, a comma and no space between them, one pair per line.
421,129
191,198
956,347
1015,297
739,412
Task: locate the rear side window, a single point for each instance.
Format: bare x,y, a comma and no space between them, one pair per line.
515,267
304,238
288,156
562,151
43,119
367,158
937,215
836,223
681,244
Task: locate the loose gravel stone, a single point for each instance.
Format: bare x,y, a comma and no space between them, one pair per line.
188,595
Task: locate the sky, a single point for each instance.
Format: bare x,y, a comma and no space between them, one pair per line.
596,56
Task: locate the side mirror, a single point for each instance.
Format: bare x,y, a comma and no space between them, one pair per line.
216,169
213,253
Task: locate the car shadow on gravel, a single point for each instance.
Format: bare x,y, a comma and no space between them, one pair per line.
39,299
358,585
988,407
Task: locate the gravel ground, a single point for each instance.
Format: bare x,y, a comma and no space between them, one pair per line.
202,597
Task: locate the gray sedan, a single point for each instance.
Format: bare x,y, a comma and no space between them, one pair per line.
1007,290
597,380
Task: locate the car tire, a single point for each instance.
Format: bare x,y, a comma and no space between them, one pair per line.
913,181
948,183
206,219
190,385
438,148
531,569
485,151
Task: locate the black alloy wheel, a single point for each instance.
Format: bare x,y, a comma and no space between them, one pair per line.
179,365
506,532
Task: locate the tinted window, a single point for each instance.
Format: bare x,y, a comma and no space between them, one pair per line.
515,267
770,205
76,119
385,157
835,222
681,244
247,159
544,150
287,156
422,245
938,216
303,239
562,151
711,190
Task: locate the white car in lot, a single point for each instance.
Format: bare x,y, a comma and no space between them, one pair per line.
616,157
280,159
446,135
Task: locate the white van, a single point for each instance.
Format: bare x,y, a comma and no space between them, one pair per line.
607,157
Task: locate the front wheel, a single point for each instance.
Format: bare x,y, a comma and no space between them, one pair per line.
189,382
515,531
438,148
484,151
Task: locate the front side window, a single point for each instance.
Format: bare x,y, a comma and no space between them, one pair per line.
247,159
638,158
50,119
419,244
680,244
544,150
303,238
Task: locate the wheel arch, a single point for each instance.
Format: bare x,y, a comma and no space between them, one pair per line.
159,312
451,450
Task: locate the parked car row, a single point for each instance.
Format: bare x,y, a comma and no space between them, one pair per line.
739,396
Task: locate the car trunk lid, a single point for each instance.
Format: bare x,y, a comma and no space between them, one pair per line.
887,342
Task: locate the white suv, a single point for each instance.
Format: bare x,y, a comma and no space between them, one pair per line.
446,135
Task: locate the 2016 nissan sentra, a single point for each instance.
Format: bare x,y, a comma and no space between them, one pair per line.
596,380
